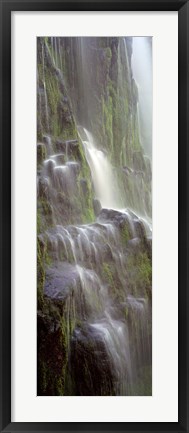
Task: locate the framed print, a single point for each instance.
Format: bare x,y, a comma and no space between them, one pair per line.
94,216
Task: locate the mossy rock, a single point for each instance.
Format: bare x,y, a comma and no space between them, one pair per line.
41,153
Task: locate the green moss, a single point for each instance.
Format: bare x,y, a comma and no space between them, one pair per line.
125,236
41,153
143,384
40,273
107,273
139,270
54,333
39,222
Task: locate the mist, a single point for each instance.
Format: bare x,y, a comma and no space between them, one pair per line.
142,73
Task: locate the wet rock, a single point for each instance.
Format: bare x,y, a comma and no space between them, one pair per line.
149,247
138,161
41,153
42,244
43,188
128,170
90,365
60,281
40,91
121,220
105,252
74,167
140,230
140,245
109,215
48,143
66,146
49,165
84,186
61,178
96,206
47,139
60,145
51,351
60,158
135,245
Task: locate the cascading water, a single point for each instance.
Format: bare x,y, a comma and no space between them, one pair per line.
86,247
98,273
104,179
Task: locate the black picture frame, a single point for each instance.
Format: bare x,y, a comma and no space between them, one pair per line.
6,7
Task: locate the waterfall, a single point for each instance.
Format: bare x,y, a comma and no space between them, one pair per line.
81,283
94,267
103,176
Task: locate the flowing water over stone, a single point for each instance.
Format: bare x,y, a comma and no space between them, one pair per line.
97,274
81,277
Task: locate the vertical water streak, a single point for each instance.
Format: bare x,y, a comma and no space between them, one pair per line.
45,91
104,180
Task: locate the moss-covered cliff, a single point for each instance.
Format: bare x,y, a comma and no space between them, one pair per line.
104,98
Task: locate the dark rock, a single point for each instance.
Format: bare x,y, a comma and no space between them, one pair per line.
40,91
90,366
66,146
72,142
140,229
60,281
96,206
109,215
149,247
105,252
60,145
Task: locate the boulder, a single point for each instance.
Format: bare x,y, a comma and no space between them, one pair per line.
60,281
96,206
90,366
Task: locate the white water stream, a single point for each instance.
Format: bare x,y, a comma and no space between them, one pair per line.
103,176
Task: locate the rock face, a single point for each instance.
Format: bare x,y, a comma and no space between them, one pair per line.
94,263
